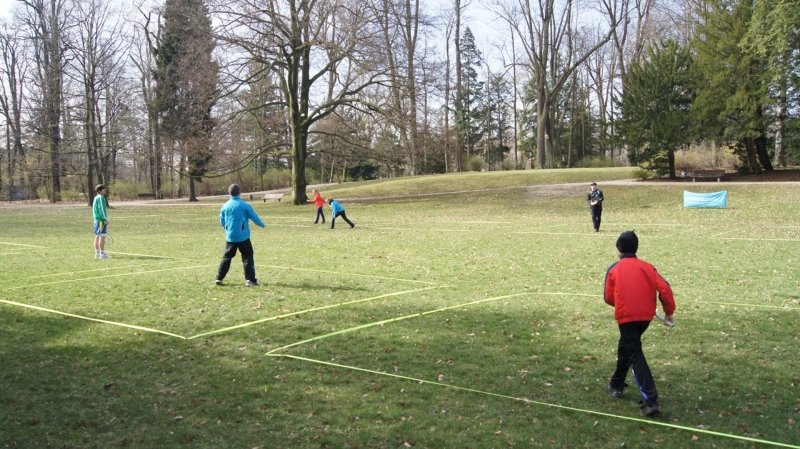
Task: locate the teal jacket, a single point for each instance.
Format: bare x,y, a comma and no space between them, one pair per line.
234,217
336,208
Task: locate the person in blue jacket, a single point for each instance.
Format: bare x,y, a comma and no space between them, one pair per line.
338,211
234,218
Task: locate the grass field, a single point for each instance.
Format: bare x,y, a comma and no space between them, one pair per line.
470,320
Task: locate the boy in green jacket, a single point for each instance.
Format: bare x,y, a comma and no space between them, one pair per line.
100,213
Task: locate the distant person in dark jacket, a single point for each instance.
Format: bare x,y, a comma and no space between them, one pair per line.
338,211
631,287
234,218
595,200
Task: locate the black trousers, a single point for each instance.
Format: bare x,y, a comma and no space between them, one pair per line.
597,211
246,248
344,217
630,356
319,214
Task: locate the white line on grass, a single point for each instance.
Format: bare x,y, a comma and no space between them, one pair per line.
20,244
299,312
349,274
79,272
759,239
147,329
391,320
105,277
143,255
752,305
414,230
546,404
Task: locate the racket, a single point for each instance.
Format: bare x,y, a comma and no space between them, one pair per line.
109,239
663,320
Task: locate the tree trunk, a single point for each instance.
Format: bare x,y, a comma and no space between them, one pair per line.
192,194
751,155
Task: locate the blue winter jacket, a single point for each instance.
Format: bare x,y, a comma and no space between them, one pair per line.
234,217
336,208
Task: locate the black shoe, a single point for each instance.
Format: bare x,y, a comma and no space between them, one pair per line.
352,226
613,391
252,284
218,281
596,230
650,409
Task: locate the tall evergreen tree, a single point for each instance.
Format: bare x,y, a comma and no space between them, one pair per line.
470,99
655,105
186,84
498,99
730,102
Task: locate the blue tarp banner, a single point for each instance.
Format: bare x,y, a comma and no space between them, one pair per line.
712,200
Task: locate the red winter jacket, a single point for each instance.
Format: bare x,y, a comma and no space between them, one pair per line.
631,286
318,200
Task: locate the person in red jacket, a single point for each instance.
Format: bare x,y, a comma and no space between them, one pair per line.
319,201
631,287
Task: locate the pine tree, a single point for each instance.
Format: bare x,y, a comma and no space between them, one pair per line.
186,84
470,101
655,107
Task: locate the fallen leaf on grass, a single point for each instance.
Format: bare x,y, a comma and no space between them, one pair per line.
642,430
695,438
792,422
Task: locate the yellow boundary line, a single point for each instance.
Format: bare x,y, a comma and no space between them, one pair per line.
545,404
300,312
350,274
28,306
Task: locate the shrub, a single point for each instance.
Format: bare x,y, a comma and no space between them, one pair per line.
597,162
475,163
508,164
640,173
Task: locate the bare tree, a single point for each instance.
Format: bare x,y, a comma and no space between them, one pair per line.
13,69
144,61
46,22
305,43
97,59
546,31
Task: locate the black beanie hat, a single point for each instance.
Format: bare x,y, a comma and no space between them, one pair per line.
234,190
628,242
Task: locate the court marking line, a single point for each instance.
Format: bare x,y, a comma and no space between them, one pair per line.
541,403
21,244
106,277
82,271
115,323
350,274
314,309
392,320
751,305
759,239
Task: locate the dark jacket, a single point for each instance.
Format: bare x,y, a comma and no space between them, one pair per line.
595,195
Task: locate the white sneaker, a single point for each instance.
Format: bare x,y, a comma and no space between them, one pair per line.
96,255
104,256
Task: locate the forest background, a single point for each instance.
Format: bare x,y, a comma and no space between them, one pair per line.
179,98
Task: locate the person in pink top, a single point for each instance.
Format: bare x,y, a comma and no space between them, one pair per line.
318,201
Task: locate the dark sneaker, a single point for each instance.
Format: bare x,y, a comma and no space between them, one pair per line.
613,391
218,281
252,284
650,409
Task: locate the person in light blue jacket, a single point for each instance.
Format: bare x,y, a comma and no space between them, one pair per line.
234,218
338,211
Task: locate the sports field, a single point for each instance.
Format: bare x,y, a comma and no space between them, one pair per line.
472,319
